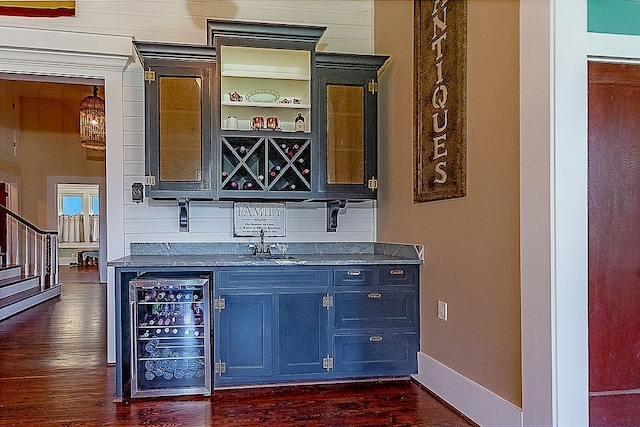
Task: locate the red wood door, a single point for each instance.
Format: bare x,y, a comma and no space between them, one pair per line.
614,226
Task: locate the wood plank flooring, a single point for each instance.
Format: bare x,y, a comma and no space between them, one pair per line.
53,372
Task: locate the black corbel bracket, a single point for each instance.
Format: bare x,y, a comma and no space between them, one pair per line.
333,207
183,206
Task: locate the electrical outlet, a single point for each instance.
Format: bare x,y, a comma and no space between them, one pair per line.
442,310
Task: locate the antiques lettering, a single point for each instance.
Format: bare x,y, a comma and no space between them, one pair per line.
440,91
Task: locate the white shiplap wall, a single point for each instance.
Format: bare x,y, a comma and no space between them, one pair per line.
349,29
349,22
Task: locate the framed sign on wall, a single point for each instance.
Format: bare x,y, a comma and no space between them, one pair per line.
440,99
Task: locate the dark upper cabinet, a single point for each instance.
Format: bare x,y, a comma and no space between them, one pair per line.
258,114
346,112
178,155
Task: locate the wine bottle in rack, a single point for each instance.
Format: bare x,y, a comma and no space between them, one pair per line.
242,150
288,187
150,295
248,185
275,171
293,150
231,185
160,296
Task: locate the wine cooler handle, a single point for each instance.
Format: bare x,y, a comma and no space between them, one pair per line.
354,273
397,272
374,295
375,338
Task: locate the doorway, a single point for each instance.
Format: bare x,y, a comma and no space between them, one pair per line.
45,150
614,243
78,207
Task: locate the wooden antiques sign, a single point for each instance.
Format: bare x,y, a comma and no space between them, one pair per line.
440,78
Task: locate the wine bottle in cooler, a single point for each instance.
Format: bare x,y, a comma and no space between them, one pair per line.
150,295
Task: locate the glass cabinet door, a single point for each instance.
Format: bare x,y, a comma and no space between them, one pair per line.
347,133
180,139
178,131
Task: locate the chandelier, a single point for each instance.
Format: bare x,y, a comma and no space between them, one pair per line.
92,121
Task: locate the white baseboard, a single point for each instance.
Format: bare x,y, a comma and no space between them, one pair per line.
480,405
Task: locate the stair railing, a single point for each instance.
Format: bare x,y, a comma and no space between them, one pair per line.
33,249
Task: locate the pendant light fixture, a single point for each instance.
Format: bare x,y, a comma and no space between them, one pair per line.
92,122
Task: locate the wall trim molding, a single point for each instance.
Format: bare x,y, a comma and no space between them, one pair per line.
477,403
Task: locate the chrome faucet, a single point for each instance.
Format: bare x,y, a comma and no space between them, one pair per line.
261,248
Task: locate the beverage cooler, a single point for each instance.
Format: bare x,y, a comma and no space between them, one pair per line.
170,335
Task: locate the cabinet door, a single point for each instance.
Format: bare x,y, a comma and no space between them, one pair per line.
302,333
244,338
347,133
178,130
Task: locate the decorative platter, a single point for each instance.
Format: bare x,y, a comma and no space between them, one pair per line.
262,95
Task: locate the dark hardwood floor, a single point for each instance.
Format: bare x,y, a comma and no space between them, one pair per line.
53,372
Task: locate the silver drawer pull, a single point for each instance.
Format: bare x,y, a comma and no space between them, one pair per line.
354,273
397,272
374,295
375,338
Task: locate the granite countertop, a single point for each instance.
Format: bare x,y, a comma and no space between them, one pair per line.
282,254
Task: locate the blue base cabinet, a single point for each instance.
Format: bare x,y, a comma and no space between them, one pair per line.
303,339
244,335
309,323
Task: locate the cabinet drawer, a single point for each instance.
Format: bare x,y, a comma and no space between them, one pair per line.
375,354
356,276
272,277
404,275
375,309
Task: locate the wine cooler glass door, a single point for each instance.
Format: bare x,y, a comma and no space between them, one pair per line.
170,337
